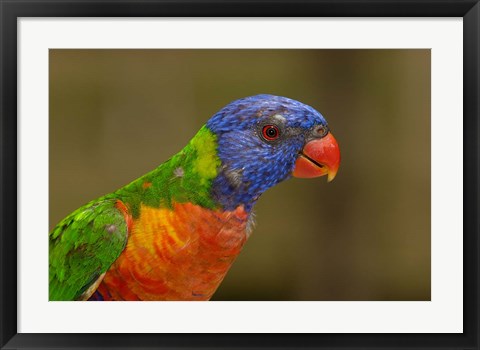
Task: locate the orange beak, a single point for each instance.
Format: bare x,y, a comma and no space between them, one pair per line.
319,157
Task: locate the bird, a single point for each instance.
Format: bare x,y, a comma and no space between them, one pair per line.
173,233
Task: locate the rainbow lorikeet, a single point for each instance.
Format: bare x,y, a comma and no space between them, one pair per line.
173,233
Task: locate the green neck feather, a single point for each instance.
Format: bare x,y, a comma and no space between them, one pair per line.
186,177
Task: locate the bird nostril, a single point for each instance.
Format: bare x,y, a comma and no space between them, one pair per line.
321,131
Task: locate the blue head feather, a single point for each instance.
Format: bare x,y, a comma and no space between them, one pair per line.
251,164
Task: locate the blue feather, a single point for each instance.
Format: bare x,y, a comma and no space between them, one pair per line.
250,164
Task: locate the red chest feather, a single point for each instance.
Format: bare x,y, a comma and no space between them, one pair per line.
179,254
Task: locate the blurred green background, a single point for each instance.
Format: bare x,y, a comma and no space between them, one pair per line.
117,114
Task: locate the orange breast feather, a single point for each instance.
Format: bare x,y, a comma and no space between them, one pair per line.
179,254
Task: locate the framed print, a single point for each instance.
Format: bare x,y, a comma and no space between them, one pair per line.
143,144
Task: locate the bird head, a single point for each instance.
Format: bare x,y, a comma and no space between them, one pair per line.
265,139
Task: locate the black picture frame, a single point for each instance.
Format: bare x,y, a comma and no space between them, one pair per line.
11,10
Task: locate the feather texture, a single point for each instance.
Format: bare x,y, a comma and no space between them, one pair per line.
173,233
83,246
181,253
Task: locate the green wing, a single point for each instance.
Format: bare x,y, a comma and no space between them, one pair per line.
82,248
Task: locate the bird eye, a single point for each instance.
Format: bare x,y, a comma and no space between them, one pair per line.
270,132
